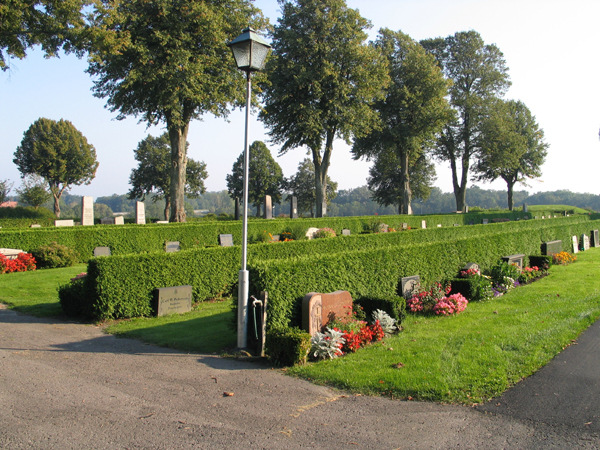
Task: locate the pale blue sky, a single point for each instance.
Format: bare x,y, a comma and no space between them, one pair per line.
552,49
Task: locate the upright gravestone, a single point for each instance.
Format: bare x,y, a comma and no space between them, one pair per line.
173,300
472,266
87,210
514,259
320,309
404,226
172,246
226,240
119,220
101,251
485,221
595,240
410,285
294,207
585,242
525,207
551,247
575,244
37,225
237,209
140,213
268,214
345,232
423,224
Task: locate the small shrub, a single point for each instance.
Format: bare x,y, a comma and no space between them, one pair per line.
54,255
542,261
74,297
425,299
294,232
453,304
388,324
327,345
324,233
503,270
393,305
287,346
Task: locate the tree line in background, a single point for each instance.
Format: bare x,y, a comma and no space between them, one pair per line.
397,101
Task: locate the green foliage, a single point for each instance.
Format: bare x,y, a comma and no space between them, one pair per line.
33,191
265,177
54,255
57,152
320,55
71,297
393,305
153,173
474,288
287,346
5,187
302,186
542,261
503,270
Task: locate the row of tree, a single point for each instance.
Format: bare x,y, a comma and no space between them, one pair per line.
397,101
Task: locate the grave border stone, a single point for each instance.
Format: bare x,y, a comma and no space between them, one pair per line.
164,302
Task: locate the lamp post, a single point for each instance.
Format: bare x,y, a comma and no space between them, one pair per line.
250,51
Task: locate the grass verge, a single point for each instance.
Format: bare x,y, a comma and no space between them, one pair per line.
480,353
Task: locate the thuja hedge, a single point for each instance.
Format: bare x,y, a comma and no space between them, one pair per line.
377,272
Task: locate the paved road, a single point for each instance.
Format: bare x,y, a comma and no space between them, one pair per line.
67,385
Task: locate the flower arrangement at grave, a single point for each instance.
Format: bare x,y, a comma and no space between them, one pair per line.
22,263
436,300
286,236
480,285
563,258
324,233
349,334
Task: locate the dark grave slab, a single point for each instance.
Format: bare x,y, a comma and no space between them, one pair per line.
551,247
409,285
172,246
514,259
102,251
173,300
226,240
595,241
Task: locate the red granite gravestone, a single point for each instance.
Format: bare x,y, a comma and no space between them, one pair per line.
320,309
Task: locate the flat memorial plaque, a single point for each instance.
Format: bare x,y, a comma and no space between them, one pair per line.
64,223
101,251
172,246
173,300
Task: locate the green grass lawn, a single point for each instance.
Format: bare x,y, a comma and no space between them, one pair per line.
468,358
478,354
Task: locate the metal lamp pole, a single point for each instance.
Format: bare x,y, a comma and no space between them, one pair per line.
250,51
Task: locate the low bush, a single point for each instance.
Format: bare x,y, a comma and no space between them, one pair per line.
55,255
287,346
71,295
393,305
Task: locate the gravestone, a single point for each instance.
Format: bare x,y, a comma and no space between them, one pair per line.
310,233
268,214
275,238
173,300
595,238
457,225
119,220
102,251
334,305
10,253
107,221
294,207
172,246
87,210
226,240
439,225
237,209
383,228
409,285
140,213
514,259
524,207
345,232
575,244
485,221
423,224
551,247
472,266
64,223
466,208
585,242
162,222
405,226
35,225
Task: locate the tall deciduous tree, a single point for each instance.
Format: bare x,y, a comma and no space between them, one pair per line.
59,153
302,186
412,113
5,187
323,79
387,177
265,177
513,146
479,76
53,24
33,191
153,174
167,61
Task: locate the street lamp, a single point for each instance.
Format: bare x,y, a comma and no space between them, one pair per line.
250,51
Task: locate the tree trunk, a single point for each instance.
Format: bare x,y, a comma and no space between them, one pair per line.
405,190
167,211
321,167
178,138
510,186
56,206
56,193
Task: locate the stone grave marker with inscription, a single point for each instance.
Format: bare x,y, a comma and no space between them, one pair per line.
226,240
585,242
514,259
404,226
551,247
268,214
595,238
140,213
172,246
410,285
423,224
331,306
485,221
87,210
575,244
101,251
383,228
119,220
472,266
345,232
64,223
173,300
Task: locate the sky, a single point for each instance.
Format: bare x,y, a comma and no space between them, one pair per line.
552,50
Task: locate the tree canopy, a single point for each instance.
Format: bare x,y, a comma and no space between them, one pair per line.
53,24
153,174
302,186
166,61
412,113
479,76
33,191
323,78
57,152
513,146
265,177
